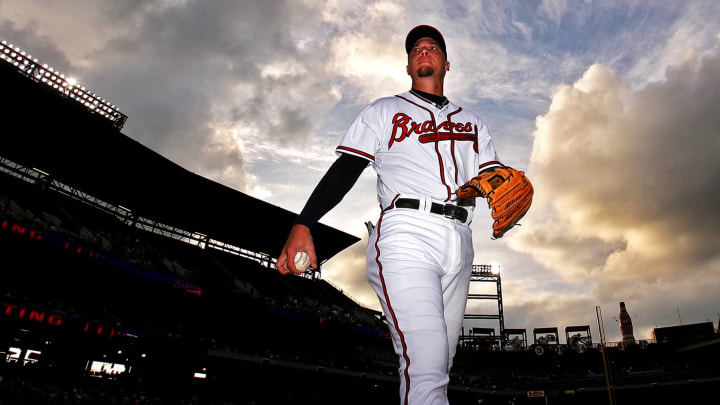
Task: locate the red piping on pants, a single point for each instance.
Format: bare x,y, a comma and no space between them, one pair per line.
390,308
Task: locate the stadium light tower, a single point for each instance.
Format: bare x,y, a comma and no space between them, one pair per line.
489,273
42,73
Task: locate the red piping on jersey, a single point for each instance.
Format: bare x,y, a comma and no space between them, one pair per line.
442,170
387,299
437,151
366,155
492,162
452,151
432,116
452,143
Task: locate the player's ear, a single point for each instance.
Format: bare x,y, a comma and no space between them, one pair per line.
447,65
407,69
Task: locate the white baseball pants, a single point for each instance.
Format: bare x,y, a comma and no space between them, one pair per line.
419,265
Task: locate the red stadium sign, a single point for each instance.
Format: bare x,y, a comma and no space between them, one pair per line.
31,314
20,229
42,317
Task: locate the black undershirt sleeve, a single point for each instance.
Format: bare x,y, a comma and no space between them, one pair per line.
338,180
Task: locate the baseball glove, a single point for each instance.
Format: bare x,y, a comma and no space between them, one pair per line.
508,192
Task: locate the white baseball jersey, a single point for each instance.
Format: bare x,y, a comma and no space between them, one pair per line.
419,262
417,148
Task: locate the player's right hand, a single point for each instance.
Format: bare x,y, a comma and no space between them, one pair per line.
300,240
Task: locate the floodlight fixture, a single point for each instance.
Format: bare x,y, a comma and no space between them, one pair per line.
68,87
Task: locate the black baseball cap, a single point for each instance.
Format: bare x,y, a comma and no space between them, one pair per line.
422,31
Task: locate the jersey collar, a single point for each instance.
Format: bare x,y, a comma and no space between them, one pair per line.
438,106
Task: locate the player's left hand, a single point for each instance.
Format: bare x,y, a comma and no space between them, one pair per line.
508,192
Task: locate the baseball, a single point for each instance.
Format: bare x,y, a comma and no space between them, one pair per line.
302,261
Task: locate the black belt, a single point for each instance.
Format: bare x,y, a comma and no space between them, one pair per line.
447,210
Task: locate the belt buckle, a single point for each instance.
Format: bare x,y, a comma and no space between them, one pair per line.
455,212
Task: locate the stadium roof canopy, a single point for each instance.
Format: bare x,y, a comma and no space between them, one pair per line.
46,130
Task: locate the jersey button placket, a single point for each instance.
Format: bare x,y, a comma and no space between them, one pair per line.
447,159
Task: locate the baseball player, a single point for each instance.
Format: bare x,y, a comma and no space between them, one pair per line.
424,148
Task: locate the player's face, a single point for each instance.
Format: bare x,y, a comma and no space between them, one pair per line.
426,59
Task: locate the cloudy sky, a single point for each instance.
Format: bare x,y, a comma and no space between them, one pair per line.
609,106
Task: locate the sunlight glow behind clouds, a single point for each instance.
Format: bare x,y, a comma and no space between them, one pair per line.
371,57
633,171
352,55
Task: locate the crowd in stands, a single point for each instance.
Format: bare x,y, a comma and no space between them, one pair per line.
243,287
629,366
216,271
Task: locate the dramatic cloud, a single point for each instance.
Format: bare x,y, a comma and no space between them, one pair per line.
224,84
628,180
668,43
230,83
40,45
370,57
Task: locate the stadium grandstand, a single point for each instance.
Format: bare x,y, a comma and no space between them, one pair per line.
128,279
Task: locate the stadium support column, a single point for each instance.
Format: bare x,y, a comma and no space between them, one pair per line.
501,316
45,181
130,219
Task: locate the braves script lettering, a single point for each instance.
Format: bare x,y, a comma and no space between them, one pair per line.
404,126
